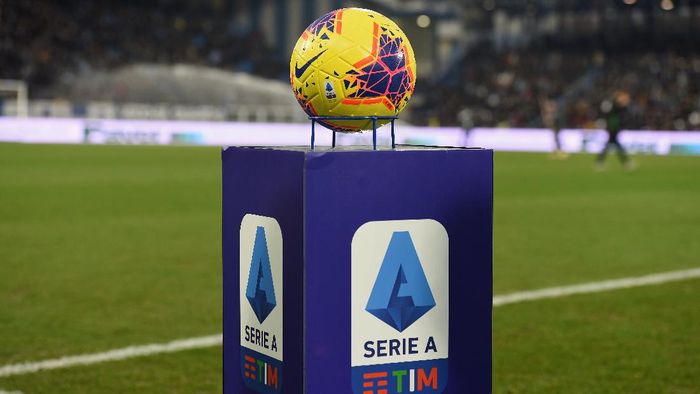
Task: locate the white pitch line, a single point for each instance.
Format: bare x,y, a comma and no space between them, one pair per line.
216,340
9,392
112,355
596,287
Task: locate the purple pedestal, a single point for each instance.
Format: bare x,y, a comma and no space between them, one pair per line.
357,271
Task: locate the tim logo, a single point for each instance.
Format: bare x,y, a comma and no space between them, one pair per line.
261,304
416,380
401,293
400,307
260,291
260,372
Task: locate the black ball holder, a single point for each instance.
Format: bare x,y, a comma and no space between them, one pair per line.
374,120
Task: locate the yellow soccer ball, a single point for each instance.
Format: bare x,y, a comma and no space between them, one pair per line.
353,62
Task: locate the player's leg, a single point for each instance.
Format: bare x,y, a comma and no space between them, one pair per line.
600,160
621,153
628,163
558,151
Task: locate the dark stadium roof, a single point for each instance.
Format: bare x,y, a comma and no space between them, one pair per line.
448,7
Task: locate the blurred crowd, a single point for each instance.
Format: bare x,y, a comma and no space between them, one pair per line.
522,88
664,89
44,40
49,43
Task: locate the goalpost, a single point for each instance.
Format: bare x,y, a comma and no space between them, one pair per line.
17,90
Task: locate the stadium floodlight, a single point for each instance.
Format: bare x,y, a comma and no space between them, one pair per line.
19,90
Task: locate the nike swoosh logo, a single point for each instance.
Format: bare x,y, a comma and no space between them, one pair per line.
299,71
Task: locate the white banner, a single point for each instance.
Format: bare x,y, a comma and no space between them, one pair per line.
172,132
526,140
120,131
41,130
586,141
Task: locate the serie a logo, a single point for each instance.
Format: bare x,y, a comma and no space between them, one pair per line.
401,293
400,314
261,304
260,290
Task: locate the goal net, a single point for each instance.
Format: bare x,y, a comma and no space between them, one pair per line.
13,98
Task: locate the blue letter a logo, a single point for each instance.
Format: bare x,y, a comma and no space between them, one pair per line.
401,294
260,290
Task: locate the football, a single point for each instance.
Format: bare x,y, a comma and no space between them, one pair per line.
353,62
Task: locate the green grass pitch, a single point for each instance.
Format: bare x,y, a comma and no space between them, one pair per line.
103,247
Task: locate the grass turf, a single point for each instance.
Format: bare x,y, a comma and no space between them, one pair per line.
110,246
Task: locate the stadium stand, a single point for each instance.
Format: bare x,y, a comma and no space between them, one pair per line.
91,58
504,89
46,42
